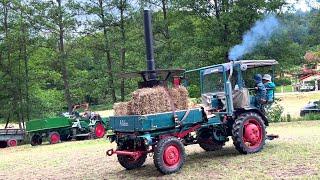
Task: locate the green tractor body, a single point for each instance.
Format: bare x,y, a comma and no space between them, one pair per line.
65,128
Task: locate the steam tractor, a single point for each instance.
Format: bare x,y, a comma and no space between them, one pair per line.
67,127
225,112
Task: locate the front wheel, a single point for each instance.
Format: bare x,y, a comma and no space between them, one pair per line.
169,155
249,133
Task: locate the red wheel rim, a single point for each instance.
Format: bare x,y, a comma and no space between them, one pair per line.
252,133
54,138
99,131
12,143
171,156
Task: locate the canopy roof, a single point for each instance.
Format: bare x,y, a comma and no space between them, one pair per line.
249,64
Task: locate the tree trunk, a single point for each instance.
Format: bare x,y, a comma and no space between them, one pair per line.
166,31
108,53
13,88
64,69
123,44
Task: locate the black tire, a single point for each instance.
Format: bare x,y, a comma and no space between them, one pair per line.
81,138
178,159
253,124
207,142
129,162
36,140
3,144
66,137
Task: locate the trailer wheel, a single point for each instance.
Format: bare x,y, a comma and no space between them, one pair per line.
129,162
99,130
207,142
36,139
169,155
3,144
12,142
54,137
249,133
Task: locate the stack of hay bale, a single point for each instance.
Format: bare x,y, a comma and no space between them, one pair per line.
153,100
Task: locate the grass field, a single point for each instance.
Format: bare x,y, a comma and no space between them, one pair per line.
294,155
293,102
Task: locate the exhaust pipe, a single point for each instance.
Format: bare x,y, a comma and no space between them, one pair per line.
149,44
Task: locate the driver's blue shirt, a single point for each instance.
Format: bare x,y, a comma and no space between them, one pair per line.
261,91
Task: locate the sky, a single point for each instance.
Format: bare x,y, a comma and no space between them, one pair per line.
305,5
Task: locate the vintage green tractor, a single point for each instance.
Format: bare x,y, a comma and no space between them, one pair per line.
225,112
67,127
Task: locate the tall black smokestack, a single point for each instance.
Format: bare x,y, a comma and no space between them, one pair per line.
149,44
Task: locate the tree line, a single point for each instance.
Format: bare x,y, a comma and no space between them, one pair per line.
56,53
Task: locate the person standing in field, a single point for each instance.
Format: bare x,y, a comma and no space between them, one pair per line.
270,86
261,91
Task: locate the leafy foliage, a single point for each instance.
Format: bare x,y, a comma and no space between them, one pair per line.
34,68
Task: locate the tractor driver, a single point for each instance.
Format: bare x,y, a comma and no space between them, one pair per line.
261,91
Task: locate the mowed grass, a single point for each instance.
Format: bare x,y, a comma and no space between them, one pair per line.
294,155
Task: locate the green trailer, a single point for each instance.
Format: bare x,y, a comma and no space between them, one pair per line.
66,128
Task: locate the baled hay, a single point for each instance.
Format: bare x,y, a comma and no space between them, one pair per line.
122,108
179,97
150,100
153,100
184,97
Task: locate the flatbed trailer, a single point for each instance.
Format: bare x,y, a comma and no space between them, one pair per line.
11,137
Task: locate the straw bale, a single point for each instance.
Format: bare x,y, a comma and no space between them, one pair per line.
153,100
150,100
122,108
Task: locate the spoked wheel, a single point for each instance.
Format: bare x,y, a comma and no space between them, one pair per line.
36,139
249,133
129,162
169,155
99,130
207,142
12,142
54,137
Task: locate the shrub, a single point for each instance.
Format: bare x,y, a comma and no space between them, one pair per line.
194,91
283,82
274,113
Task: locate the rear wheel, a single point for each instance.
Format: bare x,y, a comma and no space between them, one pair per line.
169,155
249,133
36,139
12,142
99,130
54,137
